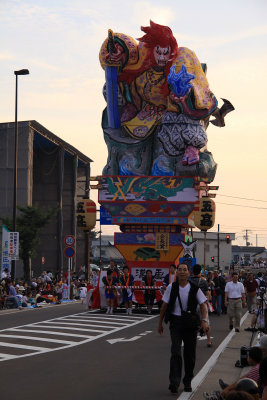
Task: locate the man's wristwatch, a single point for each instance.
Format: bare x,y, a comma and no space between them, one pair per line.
203,319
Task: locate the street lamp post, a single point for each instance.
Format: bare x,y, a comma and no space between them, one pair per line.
17,73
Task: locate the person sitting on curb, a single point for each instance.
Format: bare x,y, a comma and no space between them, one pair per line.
254,359
246,389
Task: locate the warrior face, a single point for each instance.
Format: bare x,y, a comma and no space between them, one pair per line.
162,55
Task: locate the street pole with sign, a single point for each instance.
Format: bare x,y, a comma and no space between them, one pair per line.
17,73
69,252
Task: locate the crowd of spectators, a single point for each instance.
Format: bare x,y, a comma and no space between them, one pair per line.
46,288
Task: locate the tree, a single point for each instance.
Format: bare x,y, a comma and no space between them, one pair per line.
29,224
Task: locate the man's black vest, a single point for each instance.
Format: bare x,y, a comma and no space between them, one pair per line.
191,304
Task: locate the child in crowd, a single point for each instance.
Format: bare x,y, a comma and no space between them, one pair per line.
108,281
127,280
149,295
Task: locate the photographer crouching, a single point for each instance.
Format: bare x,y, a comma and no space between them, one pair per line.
179,306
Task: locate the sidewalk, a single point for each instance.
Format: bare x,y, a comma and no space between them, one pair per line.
42,305
224,366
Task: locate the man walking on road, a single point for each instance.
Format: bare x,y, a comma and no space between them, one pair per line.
234,297
251,287
219,285
179,305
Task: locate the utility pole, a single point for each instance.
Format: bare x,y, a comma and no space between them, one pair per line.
256,240
218,245
205,247
246,237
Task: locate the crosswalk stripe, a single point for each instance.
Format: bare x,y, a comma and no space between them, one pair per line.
66,327
22,346
37,338
6,356
93,321
82,323
109,318
77,324
51,333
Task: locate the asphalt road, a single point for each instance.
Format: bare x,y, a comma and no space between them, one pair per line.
68,353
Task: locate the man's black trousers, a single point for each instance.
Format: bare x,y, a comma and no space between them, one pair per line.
189,337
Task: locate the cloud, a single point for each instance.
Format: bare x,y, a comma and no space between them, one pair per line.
211,41
143,11
42,64
6,56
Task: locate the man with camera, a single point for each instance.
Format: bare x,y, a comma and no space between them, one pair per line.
179,306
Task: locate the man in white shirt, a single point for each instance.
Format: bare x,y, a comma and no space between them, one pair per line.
234,297
5,274
180,301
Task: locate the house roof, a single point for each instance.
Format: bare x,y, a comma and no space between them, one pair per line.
247,249
43,133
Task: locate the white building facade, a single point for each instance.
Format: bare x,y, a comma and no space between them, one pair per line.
218,249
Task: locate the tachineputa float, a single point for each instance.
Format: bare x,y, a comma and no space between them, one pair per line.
159,106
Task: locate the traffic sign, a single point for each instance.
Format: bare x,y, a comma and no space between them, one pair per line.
69,252
69,240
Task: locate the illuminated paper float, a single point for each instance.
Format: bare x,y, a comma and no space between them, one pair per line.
153,214
158,109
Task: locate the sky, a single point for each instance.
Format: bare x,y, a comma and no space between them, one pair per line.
59,42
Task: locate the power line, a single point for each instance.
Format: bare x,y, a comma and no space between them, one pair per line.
239,205
242,198
239,226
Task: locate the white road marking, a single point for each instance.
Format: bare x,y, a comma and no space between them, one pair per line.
69,324
43,306
112,341
199,378
64,327
39,339
50,332
106,317
6,356
22,346
92,321
50,329
145,333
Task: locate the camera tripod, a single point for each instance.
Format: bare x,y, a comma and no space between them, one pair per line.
261,315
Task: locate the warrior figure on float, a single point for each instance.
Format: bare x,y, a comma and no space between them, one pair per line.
159,104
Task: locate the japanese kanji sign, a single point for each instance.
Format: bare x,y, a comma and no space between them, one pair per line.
86,214
204,213
13,245
162,241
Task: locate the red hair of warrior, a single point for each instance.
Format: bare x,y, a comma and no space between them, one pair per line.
155,34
